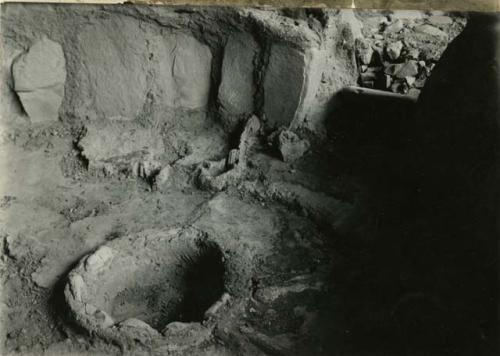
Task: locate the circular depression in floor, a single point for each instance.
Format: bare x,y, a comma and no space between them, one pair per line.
152,285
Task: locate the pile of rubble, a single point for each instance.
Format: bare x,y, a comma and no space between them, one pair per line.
399,49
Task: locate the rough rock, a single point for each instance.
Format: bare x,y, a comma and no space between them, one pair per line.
291,146
364,51
232,158
394,27
410,80
394,50
432,31
402,70
414,93
237,89
272,294
99,259
408,69
413,54
440,20
39,77
407,14
217,306
164,175
145,167
183,336
399,86
283,84
138,330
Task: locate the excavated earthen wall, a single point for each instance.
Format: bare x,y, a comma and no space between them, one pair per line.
130,62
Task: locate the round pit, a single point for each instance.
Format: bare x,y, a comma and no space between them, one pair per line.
156,286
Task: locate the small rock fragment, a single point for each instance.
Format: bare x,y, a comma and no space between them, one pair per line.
413,53
139,328
407,14
410,80
394,50
440,20
212,311
164,175
232,158
388,81
98,259
364,51
146,168
402,70
291,146
432,31
414,93
105,321
399,86
77,285
420,82
394,27
175,327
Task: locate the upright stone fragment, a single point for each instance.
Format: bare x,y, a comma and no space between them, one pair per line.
191,70
364,51
237,89
283,84
39,76
394,50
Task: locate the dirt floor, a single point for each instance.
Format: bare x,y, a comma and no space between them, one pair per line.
106,212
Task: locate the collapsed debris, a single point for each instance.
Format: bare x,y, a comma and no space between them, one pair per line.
221,174
122,146
398,41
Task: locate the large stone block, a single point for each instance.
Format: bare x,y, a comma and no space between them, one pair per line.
283,84
112,68
191,72
39,76
117,69
236,92
184,71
